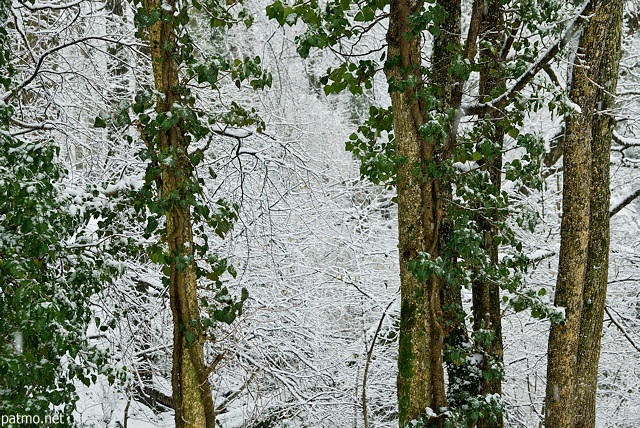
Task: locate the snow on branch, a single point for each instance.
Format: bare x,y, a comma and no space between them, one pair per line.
53,50
229,131
626,201
621,328
625,141
30,127
574,26
50,6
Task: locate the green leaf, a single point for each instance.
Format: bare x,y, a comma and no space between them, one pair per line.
189,337
99,123
232,271
166,270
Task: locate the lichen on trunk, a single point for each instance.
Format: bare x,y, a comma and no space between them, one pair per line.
421,215
577,220
192,398
597,274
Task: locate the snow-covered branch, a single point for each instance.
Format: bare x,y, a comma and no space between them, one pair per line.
49,6
7,97
626,201
572,29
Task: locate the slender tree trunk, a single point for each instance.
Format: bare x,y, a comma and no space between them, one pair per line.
595,286
486,294
192,398
420,218
564,338
461,382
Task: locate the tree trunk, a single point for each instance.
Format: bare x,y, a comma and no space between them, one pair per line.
564,338
192,398
462,382
420,218
486,294
597,275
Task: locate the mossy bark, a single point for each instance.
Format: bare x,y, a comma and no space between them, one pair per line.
448,88
564,338
421,382
595,286
192,398
486,294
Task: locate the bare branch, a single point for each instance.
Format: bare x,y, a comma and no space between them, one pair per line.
50,6
621,328
626,201
626,142
222,406
366,366
30,127
30,79
477,16
514,90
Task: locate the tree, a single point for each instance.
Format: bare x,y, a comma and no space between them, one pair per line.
192,399
574,345
420,213
316,343
597,274
168,133
439,252
486,293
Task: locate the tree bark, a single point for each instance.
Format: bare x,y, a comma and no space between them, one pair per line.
486,294
564,338
597,275
462,382
192,398
420,218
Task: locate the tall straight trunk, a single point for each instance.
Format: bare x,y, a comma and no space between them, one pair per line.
564,338
486,294
461,382
595,286
192,398
421,382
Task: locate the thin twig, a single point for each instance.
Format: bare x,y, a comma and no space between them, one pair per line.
621,328
366,366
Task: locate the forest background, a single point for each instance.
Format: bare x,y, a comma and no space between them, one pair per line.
294,244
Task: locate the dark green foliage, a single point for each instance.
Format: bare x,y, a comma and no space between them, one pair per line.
337,20
50,266
373,145
48,272
209,218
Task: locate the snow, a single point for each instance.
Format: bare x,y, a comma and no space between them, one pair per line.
466,166
573,106
166,7
430,413
127,183
315,245
230,131
626,140
18,341
540,254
